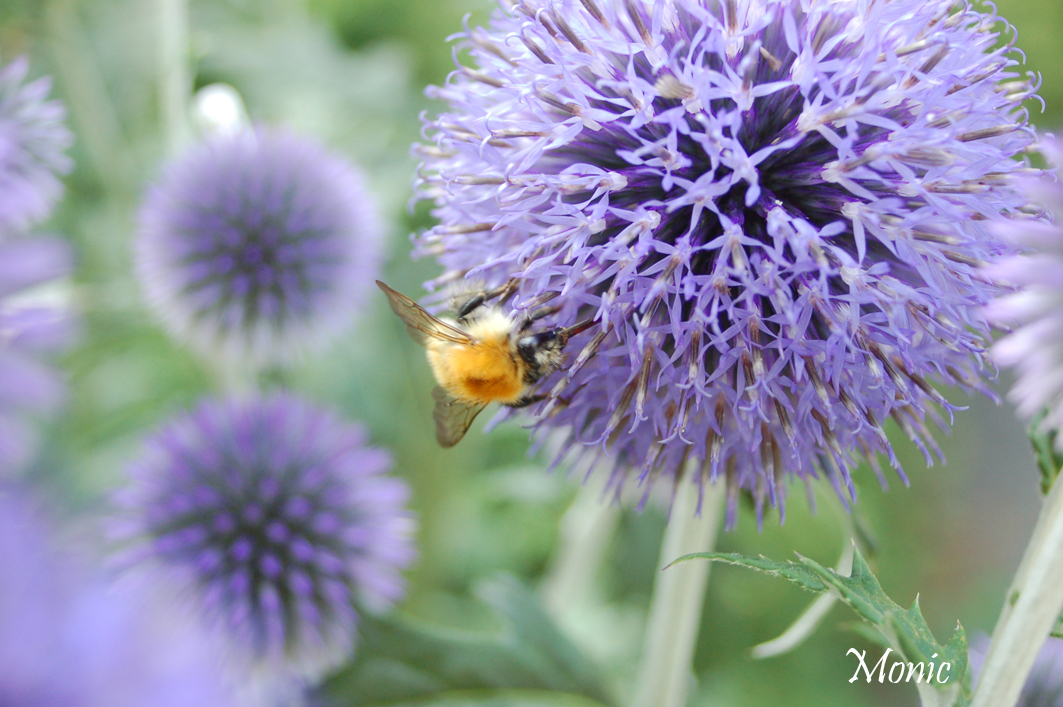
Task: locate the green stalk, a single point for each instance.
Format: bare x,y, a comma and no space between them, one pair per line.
1030,610
175,81
586,530
678,595
85,90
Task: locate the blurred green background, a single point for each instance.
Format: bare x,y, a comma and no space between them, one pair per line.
352,73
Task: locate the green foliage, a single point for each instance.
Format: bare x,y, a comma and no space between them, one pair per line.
482,508
904,630
423,24
401,660
1049,460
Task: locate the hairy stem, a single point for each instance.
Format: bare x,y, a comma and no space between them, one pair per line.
1030,610
678,594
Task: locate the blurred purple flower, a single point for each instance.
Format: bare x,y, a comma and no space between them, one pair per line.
68,638
29,327
776,209
33,139
1035,307
280,518
1044,685
258,244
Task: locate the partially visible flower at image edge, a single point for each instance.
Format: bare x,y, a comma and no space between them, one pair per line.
31,328
1044,685
258,245
33,140
777,217
71,638
1033,309
277,518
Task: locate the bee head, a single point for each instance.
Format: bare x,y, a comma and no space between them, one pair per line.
542,351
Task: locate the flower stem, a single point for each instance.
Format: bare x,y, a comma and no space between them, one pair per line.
810,619
98,127
586,530
175,82
1031,608
678,595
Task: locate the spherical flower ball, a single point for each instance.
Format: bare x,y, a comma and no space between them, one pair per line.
33,328
258,245
276,518
1032,308
775,211
69,637
33,140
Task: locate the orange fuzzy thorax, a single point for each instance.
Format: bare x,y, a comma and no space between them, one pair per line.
486,372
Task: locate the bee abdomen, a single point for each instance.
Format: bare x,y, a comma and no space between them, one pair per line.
501,389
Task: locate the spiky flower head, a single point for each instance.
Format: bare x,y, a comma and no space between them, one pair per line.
277,517
31,327
1033,308
775,209
258,245
33,139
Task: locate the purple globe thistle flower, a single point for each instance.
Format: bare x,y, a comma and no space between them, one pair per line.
280,518
258,244
1034,308
33,139
29,327
71,638
776,210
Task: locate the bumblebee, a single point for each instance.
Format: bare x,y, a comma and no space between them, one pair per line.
482,356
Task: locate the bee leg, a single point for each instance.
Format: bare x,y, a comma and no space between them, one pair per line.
535,315
480,298
528,400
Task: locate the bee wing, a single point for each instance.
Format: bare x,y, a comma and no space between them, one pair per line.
421,325
453,417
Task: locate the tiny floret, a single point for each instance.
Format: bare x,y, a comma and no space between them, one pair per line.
279,521
33,141
258,245
775,210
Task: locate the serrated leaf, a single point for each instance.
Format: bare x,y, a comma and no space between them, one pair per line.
792,571
904,630
402,660
866,631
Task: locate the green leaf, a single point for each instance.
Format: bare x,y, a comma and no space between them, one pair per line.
402,660
1049,461
904,630
796,573
1057,630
